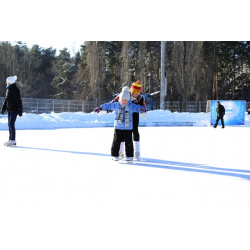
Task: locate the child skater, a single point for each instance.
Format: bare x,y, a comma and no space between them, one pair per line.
138,99
124,110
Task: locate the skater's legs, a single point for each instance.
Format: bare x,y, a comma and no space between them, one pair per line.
12,115
222,122
136,135
118,137
128,143
217,120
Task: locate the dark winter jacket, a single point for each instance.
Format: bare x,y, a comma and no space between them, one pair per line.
12,99
220,111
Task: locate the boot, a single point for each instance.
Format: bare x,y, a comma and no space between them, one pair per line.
137,149
10,143
137,155
5,144
122,150
129,159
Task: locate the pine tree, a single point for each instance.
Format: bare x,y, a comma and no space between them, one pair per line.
63,82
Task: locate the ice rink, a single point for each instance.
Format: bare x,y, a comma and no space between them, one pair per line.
179,166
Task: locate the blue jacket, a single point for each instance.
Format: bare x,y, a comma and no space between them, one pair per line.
115,106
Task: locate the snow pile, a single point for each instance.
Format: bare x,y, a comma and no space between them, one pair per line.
81,120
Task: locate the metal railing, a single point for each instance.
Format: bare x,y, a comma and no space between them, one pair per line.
39,106
192,106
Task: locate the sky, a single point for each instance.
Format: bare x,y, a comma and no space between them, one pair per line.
72,46
63,160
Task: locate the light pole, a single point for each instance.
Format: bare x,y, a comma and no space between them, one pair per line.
163,77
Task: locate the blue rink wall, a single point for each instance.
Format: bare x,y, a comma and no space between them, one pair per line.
234,115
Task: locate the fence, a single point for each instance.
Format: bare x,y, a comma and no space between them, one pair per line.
39,106
192,107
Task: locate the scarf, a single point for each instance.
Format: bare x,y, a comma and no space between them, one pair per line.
7,87
136,100
120,114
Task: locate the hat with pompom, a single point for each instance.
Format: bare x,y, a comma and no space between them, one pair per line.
124,94
136,88
11,79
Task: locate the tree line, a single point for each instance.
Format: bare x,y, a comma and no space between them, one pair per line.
195,70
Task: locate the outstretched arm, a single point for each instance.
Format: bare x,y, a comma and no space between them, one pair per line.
109,106
139,109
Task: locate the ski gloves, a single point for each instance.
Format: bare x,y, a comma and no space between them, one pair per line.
143,115
97,110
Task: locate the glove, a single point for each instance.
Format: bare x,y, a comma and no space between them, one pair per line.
144,115
97,110
102,112
143,109
20,112
2,111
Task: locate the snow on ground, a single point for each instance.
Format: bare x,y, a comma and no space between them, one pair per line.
59,188
80,120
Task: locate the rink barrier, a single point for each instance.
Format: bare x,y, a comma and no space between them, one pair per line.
165,124
158,124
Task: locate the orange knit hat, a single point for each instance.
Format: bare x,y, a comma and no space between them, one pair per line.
136,87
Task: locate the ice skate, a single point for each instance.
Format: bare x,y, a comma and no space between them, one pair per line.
115,158
137,156
129,159
10,143
122,150
121,155
5,144
137,148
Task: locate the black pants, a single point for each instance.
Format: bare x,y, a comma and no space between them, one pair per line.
119,136
136,135
217,120
12,115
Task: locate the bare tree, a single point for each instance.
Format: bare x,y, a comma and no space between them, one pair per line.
187,65
96,60
142,58
178,69
194,63
126,70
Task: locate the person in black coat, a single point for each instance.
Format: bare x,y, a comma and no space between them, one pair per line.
220,110
13,104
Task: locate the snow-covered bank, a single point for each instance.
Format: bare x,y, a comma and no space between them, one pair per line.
81,120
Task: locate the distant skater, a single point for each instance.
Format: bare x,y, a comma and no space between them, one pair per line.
220,110
13,104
